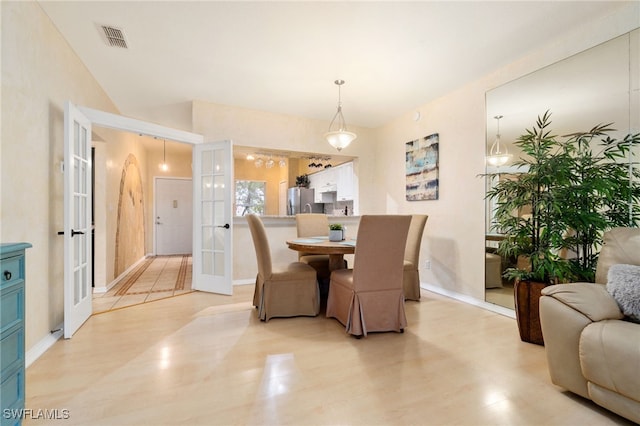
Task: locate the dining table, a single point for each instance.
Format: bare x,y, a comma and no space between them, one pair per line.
321,245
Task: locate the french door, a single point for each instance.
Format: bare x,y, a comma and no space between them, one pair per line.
212,207
77,219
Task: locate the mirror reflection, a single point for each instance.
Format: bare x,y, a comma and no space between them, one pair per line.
599,85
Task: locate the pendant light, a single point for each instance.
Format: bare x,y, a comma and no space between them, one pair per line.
498,154
339,137
164,166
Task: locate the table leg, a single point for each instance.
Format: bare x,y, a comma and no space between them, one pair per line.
336,261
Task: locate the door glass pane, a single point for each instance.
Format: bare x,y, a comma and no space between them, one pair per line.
218,244
207,263
207,238
207,188
219,161
219,213
76,137
84,282
76,287
207,162
207,213
76,212
218,187
219,263
76,175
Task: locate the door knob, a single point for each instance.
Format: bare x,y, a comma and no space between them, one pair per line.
225,226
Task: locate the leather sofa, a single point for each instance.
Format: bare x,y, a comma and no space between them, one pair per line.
592,349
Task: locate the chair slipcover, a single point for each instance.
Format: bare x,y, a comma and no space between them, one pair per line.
370,297
288,291
411,277
314,225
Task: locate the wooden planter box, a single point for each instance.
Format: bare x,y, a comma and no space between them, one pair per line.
527,299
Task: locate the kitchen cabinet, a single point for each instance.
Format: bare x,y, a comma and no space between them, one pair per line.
333,184
314,183
345,190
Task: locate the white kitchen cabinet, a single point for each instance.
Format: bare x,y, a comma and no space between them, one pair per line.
345,190
314,183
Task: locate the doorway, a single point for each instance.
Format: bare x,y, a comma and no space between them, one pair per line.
173,216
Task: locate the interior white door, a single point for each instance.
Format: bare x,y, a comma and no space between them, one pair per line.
77,219
212,217
174,216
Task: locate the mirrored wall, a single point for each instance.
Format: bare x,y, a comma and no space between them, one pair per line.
599,85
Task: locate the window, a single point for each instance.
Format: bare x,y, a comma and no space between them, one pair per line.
250,196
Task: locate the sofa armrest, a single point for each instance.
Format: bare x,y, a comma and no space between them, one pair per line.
565,310
591,300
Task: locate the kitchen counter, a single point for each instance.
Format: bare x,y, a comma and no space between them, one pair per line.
291,220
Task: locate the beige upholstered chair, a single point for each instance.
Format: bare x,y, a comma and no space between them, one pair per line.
314,225
281,292
411,277
369,297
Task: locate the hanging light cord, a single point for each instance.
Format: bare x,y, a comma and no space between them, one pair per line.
341,123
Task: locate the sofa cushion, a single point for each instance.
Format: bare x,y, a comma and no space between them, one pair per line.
610,356
619,245
623,284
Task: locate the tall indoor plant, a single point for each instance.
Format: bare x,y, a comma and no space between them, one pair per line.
553,213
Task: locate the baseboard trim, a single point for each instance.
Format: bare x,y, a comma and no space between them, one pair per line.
469,300
244,281
43,345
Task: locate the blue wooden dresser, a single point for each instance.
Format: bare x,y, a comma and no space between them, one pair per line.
12,262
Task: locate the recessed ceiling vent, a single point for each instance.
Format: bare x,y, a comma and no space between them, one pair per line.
115,36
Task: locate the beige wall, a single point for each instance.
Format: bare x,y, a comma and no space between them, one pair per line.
39,73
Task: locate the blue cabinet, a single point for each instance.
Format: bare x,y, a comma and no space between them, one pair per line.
12,281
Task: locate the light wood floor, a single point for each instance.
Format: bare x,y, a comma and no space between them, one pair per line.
155,278
203,359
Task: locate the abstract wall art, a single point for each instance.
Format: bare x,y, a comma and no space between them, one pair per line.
421,165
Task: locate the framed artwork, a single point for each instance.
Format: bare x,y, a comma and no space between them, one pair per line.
421,166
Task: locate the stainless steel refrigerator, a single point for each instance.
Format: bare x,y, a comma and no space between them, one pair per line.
301,200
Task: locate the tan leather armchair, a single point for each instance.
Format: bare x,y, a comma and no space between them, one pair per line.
591,350
370,297
411,276
287,291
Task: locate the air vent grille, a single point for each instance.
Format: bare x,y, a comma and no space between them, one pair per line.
115,36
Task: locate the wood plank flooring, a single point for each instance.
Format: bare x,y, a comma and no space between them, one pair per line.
204,359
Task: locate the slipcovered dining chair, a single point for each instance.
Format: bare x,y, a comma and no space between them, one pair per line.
411,276
370,297
314,225
288,291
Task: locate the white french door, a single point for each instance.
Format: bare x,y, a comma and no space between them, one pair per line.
212,217
77,219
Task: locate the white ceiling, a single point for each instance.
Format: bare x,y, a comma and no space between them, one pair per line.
284,56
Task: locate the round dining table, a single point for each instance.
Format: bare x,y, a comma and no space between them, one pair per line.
321,245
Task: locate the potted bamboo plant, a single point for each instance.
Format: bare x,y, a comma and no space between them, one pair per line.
553,213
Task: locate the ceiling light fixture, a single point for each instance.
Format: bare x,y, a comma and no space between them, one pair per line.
341,137
499,154
164,166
